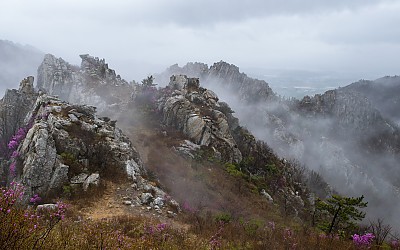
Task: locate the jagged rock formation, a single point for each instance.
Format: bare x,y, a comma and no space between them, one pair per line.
351,110
194,111
340,134
92,83
248,89
224,74
211,126
191,109
353,114
66,141
61,144
14,107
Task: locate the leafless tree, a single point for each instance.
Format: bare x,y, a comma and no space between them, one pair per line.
380,230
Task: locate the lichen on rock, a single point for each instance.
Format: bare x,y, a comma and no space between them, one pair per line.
194,111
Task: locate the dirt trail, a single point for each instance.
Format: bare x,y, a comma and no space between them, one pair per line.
200,185
107,206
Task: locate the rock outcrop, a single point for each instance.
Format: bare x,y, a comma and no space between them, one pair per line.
14,107
195,111
93,83
383,93
59,145
351,110
353,114
66,141
226,76
248,89
216,134
340,134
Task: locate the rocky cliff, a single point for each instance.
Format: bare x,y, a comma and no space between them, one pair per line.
341,134
68,143
14,107
352,113
195,111
60,145
224,75
351,110
93,83
383,93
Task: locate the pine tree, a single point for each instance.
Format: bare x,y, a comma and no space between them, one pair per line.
342,212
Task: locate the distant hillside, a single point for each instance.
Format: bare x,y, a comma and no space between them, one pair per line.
340,134
383,93
16,62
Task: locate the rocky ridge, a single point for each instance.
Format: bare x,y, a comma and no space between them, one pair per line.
67,145
14,107
383,93
224,74
207,122
340,134
211,126
195,111
92,83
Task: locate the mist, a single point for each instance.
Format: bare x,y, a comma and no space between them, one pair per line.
337,154
300,49
17,62
355,39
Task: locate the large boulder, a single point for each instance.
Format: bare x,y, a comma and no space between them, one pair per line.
93,83
194,111
69,144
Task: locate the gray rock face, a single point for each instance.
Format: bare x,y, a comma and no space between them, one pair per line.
187,148
340,134
248,89
40,159
146,198
351,110
193,110
14,107
222,74
58,77
69,144
79,179
383,93
92,83
44,207
92,180
267,196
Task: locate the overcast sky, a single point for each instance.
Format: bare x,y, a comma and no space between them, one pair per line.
143,36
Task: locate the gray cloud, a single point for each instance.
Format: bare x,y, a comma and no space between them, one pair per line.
184,13
142,37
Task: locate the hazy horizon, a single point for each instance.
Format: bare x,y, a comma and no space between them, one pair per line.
356,39
288,83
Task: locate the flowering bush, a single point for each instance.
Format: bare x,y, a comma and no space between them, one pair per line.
15,142
15,155
158,232
13,167
35,199
188,208
25,228
395,244
363,241
216,239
